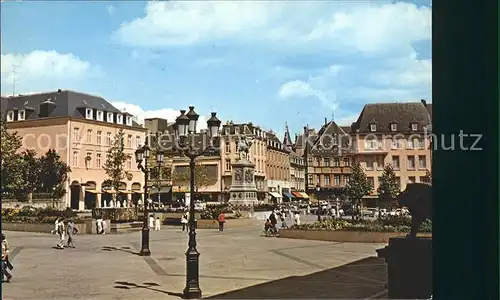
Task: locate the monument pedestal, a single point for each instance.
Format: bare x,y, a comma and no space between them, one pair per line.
409,267
243,192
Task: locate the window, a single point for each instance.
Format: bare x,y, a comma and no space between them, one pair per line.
422,179
108,139
373,127
227,130
109,118
119,119
309,161
414,126
398,182
236,130
336,180
74,162
370,144
10,116
228,165
21,115
327,180
88,139
336,161
379,181
395,162
318,161
129,163
327,162
98,160
371,181
411,162
89,113
346,178
411,179
228,147
129,121
99,138
87,163
75,134
417,143
138,141
310,179
380,162
409,144
318,179
396,144
422,162
129,141
394,127
369,163
347,162
100,115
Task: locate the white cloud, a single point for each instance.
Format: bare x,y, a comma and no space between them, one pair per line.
363,26
170,114
41,65
111,9
302,89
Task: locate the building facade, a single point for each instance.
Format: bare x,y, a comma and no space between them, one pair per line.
395,134
81,128
277,168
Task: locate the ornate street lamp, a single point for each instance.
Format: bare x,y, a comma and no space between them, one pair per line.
318,189
185,129
159,162
143,154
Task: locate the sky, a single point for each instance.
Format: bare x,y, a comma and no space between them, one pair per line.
269,63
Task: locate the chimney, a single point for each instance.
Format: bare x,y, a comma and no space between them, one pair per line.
423,102
326,120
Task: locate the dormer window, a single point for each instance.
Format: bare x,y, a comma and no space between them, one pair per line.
414,126
129,120
119,119
228,130
373,127
100,115
394,127
109,118
10,116
89,113
21,115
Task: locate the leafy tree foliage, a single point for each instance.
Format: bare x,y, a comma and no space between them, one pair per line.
358,185
182,175
12,176
115,161
389,186
428,176
53,174
31,170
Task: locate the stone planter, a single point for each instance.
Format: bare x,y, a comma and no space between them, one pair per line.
39,227
342,236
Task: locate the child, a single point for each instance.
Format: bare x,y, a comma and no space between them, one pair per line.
283,223
157,224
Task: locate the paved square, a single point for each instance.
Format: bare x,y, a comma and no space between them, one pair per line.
238,263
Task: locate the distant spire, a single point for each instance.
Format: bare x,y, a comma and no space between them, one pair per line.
287,140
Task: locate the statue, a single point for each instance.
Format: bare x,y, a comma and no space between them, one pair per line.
418,198
244,147
249,176
237,175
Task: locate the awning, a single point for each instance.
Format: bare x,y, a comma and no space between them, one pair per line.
163,190
92,191
297,194
289,196
109,191
304,195
275,195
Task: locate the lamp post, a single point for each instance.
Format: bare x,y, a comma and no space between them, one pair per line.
318,188
185,129
142,154
159,161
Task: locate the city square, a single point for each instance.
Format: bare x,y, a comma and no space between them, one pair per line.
236,264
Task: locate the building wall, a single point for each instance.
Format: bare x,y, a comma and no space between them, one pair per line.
297,173
277,170
395,151
329,172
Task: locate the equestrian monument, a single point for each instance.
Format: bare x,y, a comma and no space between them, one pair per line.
243,192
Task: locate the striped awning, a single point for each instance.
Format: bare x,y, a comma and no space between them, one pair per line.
275,195
289,196
297,194
304,195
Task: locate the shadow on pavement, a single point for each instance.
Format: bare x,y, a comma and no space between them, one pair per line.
152,286
361,279
123,249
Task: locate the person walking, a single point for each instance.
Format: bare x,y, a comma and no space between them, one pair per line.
221,219
297,218
5,260
60,233
104,226
151,222
98,225
184,221
70,230
157,224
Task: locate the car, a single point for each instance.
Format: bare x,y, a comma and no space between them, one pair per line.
199,205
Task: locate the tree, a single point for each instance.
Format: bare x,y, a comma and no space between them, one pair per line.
358,185
31,170
115,161
428,176
389,186
202,178
53,174
10,161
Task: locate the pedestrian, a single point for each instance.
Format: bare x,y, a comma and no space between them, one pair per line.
184,221
283,223
104,226
297,218
60,233
98,225
151,222
70,230
221,219
273,219
157,224
5,260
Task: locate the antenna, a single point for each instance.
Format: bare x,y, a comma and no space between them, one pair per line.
14,79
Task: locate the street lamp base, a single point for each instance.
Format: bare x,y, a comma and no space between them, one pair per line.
145,252
145,242
191,293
